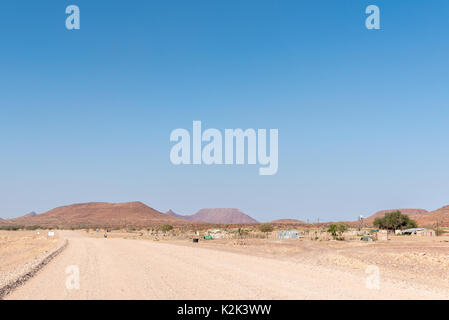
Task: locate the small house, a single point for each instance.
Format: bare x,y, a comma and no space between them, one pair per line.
288,234
419,232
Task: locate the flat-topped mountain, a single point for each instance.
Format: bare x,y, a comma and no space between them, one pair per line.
217,215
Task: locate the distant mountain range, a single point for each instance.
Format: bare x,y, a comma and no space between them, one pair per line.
217,215
140,215
124,214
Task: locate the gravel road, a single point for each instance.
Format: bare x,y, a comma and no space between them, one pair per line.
139,269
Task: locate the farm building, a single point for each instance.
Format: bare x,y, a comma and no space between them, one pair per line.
419,232
380,235
288,234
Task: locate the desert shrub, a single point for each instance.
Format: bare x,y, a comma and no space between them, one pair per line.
266,227
166,228
10,228
242,232
33,227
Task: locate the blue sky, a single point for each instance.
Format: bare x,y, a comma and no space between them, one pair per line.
86,115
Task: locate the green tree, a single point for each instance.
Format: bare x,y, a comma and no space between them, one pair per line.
395,220
379,223
337,230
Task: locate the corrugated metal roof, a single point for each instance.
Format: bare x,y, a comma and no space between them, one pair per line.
414,229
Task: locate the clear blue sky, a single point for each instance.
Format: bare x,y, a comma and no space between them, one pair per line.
362,115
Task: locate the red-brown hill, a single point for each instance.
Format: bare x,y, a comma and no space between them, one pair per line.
288,221
409,212
423,217
431,219
171,213
99,214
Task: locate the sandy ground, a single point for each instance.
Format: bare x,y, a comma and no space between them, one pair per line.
408,261
20,249
117,268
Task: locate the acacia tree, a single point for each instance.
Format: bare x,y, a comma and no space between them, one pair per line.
395,220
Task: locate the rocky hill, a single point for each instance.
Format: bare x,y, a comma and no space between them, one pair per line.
216,215
99,214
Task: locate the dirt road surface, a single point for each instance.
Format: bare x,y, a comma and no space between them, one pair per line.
136,269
